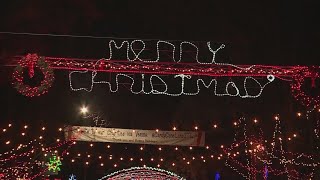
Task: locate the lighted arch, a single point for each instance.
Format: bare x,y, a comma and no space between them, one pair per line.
147,173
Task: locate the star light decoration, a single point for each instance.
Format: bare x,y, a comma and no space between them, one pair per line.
54,164
72,177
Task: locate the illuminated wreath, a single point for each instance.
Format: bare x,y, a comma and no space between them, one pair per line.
30,61
300,95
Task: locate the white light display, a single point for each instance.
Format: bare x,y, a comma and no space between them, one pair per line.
142,173
182,77
129,47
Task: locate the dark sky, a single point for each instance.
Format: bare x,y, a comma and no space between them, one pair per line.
277,33
256,32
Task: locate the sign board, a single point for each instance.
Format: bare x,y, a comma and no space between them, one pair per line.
136,136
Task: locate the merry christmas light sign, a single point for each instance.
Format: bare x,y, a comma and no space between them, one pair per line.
230,88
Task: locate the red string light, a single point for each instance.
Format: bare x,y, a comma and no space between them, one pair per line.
299,94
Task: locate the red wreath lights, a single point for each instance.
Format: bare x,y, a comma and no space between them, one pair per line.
31,61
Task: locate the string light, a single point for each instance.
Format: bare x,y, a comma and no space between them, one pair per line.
262,154
102,62
20,161
297,73
143,173
257,146
199,81
298,93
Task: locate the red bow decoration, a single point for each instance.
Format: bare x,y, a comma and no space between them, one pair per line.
31,59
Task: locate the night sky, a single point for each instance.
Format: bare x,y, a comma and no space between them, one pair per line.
268,33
